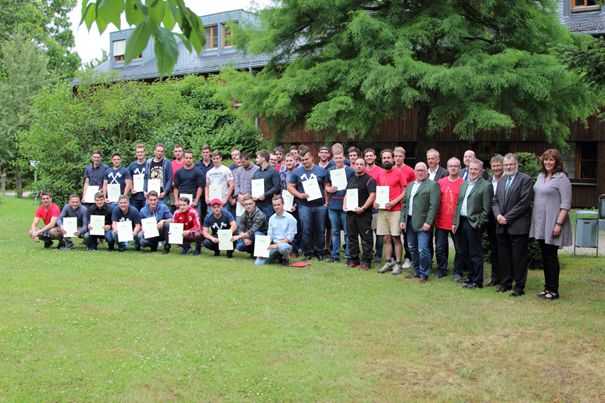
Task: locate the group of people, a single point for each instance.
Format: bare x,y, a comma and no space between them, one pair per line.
286,203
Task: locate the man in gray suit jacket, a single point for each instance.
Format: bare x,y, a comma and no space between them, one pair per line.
512,209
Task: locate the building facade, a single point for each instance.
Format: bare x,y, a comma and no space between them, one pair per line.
584,160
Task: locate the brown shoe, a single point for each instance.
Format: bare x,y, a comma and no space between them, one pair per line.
364,267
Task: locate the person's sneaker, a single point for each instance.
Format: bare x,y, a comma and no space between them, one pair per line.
458,278
412,275
217,253
121,248
285,261
196,253
91,249
407,263
166,249
423,279
47,243
110,247
388,266
61,244
184,251
364,266
229,254
153,248
397,270
441,274
377,259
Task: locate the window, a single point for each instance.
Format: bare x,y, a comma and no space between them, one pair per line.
584,5
211,36
119,50
586,160
227,38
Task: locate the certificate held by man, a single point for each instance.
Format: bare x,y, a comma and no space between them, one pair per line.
225,239
89,196
138,183
155,185
351,200
258,188
113,192
125,233
150,227
175,234
288,200
261,245
97,225
338,177
70,226
382,196
311,188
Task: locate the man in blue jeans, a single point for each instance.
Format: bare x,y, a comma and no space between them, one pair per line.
420,206
306,183
338,217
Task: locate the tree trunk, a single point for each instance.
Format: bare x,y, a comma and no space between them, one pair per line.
18,184
3,182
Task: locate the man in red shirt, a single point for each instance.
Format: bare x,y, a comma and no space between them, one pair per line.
410,176
192,231
178,161
450,189
387,224
47,213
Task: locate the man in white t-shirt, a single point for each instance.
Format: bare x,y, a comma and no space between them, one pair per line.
219,181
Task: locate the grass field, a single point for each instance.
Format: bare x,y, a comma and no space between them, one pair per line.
139,327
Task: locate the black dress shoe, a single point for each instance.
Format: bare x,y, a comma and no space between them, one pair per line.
471,286
503,289
517,293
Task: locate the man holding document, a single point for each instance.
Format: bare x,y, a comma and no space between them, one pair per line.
218,220
306,183
280,234
336,189
99,224
93,177
387,224
73,222
253,222
137,173
158,174
125,222
155,218
359,199
117,181
186,215
265,183
189,181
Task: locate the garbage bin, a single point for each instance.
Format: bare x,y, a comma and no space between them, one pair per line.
587,230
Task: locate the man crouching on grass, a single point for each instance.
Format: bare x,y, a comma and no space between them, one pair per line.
47,213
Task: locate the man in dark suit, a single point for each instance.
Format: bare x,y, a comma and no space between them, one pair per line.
474,203
497,171
512,209
421,203
435,170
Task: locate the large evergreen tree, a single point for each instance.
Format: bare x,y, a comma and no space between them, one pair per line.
470,65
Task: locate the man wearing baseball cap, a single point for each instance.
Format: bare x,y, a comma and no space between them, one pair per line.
218,219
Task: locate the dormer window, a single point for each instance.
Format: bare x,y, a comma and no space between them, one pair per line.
584,5
227,38
211,36
119,50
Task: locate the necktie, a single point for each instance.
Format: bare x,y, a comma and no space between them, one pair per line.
509,181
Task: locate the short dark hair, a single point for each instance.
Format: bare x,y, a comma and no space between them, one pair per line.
386,150
264,154
369,150
116,154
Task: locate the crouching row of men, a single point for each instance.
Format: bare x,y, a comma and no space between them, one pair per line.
151,227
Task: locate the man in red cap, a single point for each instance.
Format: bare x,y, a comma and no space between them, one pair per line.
219,219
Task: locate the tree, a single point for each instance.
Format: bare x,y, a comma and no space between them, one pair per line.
152,19
25,74
470,65
47,22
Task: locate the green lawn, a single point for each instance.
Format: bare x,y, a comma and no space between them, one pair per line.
78,326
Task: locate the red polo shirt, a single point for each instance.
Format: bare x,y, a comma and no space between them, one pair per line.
449,200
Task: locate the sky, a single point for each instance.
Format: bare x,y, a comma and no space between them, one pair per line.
90,45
